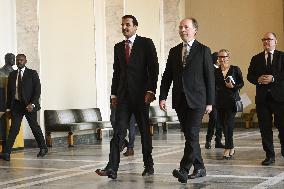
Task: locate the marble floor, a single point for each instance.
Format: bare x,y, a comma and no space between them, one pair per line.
74,167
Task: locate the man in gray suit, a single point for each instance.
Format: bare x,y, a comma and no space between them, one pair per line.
190,68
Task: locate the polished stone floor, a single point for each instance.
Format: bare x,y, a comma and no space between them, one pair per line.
74,167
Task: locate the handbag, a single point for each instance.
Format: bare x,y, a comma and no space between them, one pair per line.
239,106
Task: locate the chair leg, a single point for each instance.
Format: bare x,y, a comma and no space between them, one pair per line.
70,139
151,129
48,139
164,125
99,134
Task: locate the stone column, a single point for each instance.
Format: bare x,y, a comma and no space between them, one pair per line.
28,31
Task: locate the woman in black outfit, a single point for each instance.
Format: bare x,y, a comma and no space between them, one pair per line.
229,81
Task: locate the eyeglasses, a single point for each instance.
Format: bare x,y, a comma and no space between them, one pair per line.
223,56
266,39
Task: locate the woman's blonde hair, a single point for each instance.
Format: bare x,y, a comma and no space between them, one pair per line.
226,51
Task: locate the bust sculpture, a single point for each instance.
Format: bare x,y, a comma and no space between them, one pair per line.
9,62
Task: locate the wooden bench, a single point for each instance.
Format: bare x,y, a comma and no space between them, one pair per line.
71,120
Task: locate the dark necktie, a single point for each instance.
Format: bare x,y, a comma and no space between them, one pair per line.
268,62
127,50
19,86
185,54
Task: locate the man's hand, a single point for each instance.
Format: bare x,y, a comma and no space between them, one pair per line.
229,84
163,105
8,114
30,108
113,102
149,97
208,109
265,79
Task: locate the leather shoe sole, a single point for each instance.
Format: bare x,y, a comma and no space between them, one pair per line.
148,172
197,174
109,173
42,152
182,178
268,161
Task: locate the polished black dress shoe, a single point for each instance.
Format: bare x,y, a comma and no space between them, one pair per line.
268,161
107,172
148,171
42,152
181,174
5,156
219,145
208,145
197,173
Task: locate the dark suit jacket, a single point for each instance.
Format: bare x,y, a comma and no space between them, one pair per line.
258,67
196,80
226,97
139,75
31,88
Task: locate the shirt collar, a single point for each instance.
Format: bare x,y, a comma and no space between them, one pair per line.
23,69
132,38
272,52
189,43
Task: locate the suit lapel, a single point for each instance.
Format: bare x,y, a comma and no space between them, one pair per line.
192,52
134,49
275,62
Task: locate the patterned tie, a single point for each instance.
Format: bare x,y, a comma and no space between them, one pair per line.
19,85
127,50
185,54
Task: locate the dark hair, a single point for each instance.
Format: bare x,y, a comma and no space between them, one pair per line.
134,20
23,55
214,57
9,55
194,22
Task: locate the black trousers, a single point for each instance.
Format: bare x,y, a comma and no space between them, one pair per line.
212,126
123,113
190,120
18,112
265,112
226,118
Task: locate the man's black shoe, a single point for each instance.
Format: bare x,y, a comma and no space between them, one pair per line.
268,161
107,172
197,173
148,171
219,145
42,152
181,174
208,145
5,156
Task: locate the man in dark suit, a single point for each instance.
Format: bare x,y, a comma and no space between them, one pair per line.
134,83
190,68
23,92
266,71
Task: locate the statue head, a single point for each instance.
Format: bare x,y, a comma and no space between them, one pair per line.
10,59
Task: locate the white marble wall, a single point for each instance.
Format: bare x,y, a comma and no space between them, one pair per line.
114,10
28,31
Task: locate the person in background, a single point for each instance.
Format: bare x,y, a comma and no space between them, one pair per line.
131,134
189,67
266,72
23,93
229,81
213,121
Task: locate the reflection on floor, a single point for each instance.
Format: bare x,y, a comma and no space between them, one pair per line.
74,167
